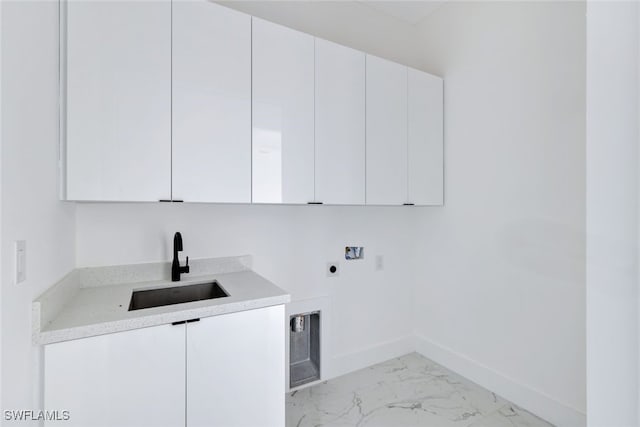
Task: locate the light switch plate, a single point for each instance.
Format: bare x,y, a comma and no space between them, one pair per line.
21,261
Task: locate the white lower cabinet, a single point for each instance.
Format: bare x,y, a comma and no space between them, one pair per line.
235,370
127,379
225,370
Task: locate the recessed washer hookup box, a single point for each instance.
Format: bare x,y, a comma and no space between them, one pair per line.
304,348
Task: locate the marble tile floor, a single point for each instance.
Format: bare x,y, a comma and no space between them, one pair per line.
407,391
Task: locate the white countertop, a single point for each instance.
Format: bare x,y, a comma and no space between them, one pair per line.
75,308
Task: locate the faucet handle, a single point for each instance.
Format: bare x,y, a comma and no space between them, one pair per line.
187,264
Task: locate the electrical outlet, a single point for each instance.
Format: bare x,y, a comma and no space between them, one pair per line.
333,269
379,263
21,261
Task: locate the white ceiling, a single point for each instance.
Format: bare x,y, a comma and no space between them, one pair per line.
412,12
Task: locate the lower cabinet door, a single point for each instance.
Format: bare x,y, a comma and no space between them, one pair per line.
235,369
126,379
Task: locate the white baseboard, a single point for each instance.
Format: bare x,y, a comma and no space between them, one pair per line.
343,364
532,400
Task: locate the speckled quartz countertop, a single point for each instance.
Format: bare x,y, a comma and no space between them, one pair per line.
95,301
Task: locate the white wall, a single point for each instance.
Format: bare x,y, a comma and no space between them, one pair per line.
291,246
1,330
350,23
612,213
30,209
370,311
501,292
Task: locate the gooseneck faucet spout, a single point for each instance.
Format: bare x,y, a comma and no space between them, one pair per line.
176,269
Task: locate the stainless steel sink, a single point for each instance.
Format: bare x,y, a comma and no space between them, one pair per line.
175,295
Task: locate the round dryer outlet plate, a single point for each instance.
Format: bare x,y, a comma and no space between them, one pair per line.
333,269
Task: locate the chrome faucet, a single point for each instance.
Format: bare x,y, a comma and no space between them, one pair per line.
176,269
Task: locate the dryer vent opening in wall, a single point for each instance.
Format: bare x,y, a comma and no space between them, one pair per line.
304,349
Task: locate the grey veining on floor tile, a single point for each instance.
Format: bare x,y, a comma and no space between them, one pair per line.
407,391
510,415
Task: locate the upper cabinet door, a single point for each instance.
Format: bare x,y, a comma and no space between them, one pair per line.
386,132
118,100
283,139
425,138
340,124
211,103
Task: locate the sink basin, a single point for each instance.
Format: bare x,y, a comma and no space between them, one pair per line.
175,295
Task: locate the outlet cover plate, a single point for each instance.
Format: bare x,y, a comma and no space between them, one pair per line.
21,261
331,273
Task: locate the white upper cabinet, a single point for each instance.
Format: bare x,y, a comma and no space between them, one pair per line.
283,134
118,100
211,103
340,124
193,101
425,138
386,156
